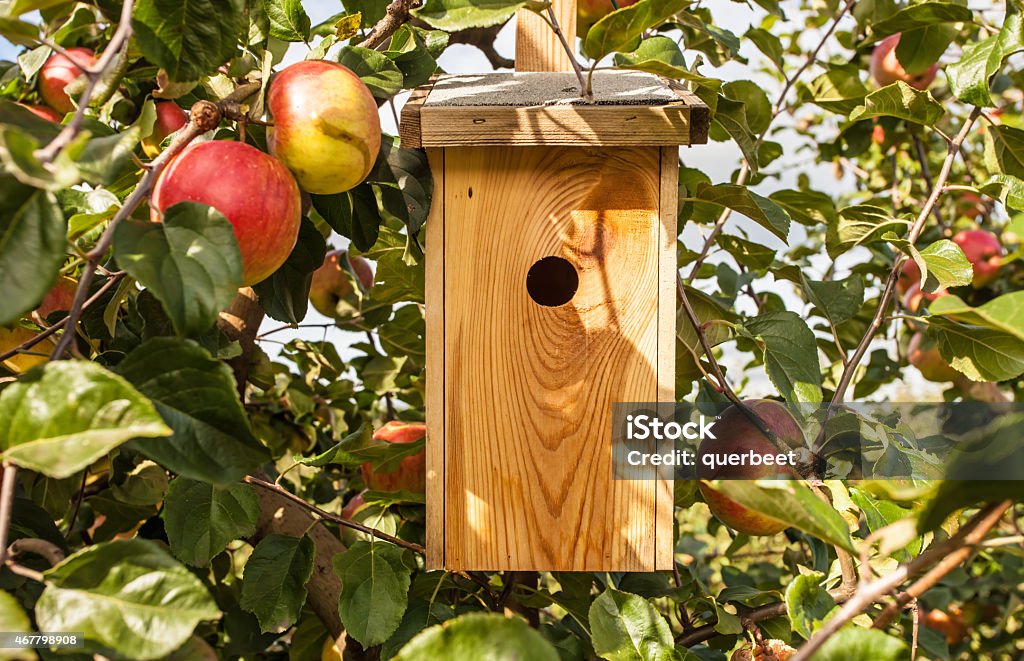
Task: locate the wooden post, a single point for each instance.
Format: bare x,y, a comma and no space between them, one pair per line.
537,46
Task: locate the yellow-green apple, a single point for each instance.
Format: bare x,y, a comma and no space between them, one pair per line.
411,474
983,251
929,362
16,335
886,69
59,298
326,128
169,118
49,114
331,282
589,12
59,72
735,433
253,190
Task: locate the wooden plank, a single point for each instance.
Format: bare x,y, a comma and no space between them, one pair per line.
667,274
537,46
409,126
556,125
529,388
435,404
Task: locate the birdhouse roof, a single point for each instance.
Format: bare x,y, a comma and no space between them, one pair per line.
540,108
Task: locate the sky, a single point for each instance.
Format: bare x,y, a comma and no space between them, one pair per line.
718,160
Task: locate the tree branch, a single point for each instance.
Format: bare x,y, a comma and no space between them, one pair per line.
7,484
869,593
397,13
890,285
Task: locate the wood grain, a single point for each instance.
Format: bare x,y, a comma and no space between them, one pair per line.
537,46
528,389
434,319
667,274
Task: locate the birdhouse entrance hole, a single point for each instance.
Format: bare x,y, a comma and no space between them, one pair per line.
552,281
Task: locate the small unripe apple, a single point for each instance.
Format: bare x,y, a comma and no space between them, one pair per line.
253,190
983,251
736,433
929,362
58,73
326,128
48,114
411,474
169,118
589,12
59,298
331,281
886,69
14,336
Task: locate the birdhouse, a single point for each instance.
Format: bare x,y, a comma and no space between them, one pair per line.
550,295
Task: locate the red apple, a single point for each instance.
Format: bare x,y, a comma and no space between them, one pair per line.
169,118
326,128
59,298
886,69
736,433
252,189
58,73
910,275
589,12
411,473
929,362
331,282
355,503
983,251
878,134
951,624
16,335
48,114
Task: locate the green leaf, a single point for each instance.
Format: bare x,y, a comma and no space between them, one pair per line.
808,207
1004,313
626,627
413,51
980,353
59,419
856,644
395,279
32,246
274,582
661,56
807,603
353,214
1008,147
969,77
406,173
838,300
947,266
380,74
747,253
706,309
1008,190
190,262
14,620
793,504
920,15
730,117
284,296
129,596
188,39
857,225
19,32
478,636
902,101
919,49
374,590
288,20
839,90
201,519
197,397
620,30
769,44
19,7
458,15
790,354
741,199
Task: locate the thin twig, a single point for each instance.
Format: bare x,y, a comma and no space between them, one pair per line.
7,485
585,90
334,518
396,15
890,285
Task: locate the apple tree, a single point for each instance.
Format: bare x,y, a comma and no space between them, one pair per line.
185,183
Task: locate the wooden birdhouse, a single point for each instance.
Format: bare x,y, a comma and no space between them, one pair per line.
551,294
